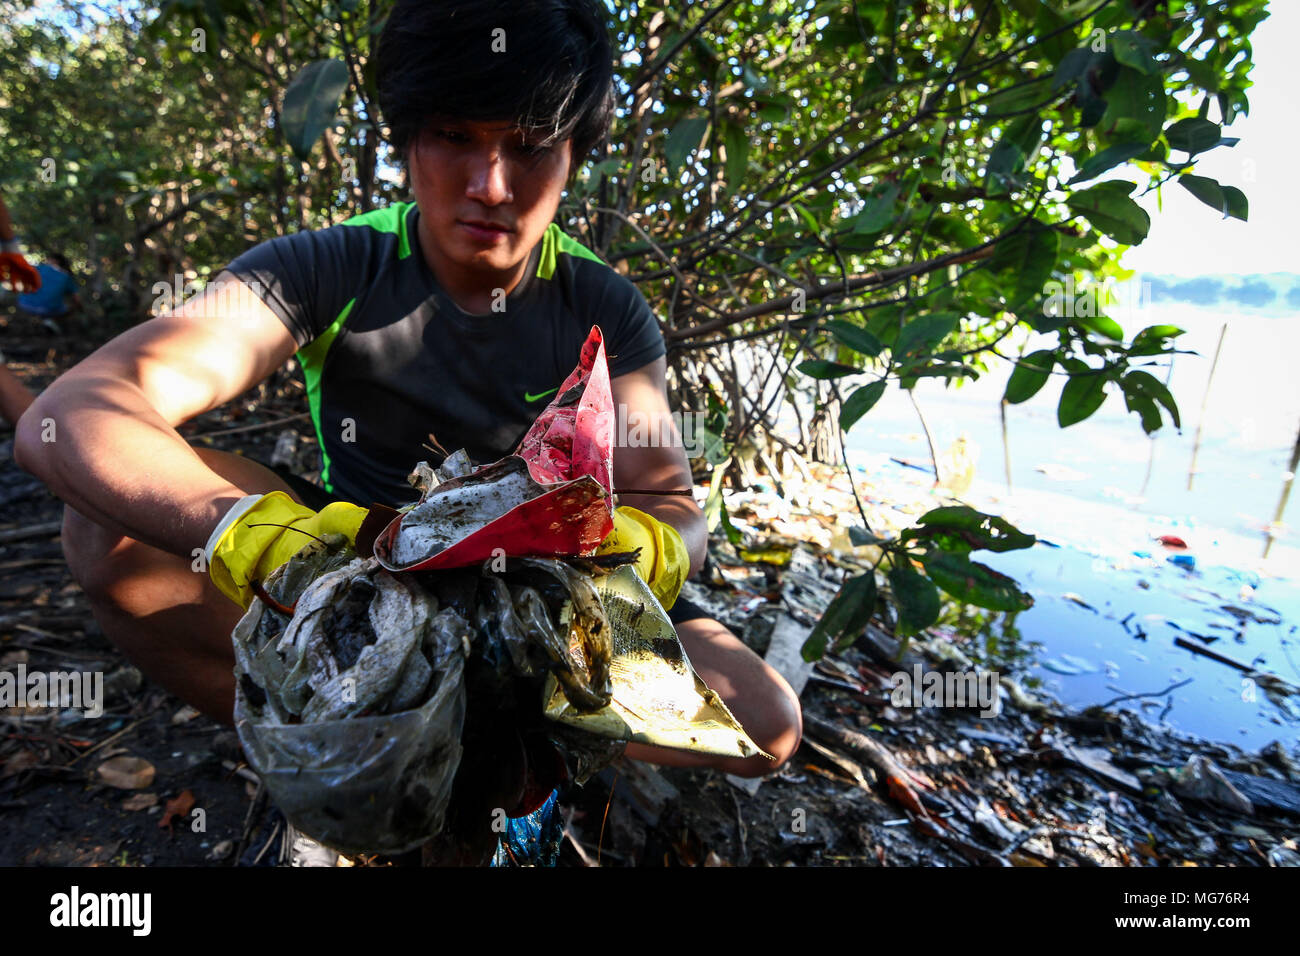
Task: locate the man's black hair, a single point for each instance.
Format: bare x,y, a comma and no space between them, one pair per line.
436,60
60,260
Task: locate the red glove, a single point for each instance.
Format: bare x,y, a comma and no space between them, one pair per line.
16,273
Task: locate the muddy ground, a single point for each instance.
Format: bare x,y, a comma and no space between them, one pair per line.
1032,786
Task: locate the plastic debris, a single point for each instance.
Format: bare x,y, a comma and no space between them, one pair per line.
390,700
551,498
657,697
351,711
1200,779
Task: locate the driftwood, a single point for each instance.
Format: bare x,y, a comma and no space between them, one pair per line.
10,535
900,781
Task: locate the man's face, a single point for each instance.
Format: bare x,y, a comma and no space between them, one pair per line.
486,194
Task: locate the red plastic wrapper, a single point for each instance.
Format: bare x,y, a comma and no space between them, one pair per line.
552,498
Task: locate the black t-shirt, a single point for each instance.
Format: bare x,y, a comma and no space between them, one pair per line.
389,359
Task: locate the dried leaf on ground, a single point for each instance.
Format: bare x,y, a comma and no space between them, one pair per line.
126,773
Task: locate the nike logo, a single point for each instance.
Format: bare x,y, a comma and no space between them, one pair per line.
530,397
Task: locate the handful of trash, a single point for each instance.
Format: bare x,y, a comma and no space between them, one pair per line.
390,699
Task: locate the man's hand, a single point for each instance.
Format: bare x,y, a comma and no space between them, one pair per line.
262,532
17,273
663,562
649,455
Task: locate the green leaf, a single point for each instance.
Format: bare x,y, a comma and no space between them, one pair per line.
923,333
1207,190
1151,340
855,337
973,583
1027,134
710,445
1103,325
958,528
1027,257
822,369
908,375
713,503
311,103
1030,375
1235,202
1135,106
1228,200
878,212
860,536
916,597
1147,385
861,402
1108,158
1157,153
736,142
1146,408
809,220
845,617
1134,50
1005,163
603,168
1110,210
685,136
1083,394
1017,98
1193,135
733,534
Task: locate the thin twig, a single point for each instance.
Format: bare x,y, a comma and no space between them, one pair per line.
1154,693
250,428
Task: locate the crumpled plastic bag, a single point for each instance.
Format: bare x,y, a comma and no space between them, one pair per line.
351,711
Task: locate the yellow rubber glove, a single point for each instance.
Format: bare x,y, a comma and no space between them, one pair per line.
239,553
663,563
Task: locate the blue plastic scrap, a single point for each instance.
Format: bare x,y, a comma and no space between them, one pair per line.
532,840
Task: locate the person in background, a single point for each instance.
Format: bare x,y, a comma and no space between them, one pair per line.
17,274
50,300
15,271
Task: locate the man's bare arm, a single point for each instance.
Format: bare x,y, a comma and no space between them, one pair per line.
654,457
103,436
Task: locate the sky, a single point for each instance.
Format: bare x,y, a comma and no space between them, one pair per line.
1187,237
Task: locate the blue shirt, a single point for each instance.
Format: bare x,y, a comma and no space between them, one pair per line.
48,299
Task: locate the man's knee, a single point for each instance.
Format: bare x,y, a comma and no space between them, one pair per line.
121,572
780,732
756,693
790,713
87,547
